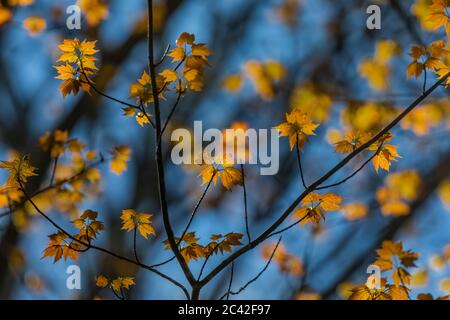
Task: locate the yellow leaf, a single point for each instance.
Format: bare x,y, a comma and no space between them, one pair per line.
355,211
34,25
414,69
232,83
185,38
297,127
177,54
142,221
101,281
121,155
385,50
19,169
444,285
141,119
384,157
419,278
169,75
330,201
200,50
444,192
5,15
94,10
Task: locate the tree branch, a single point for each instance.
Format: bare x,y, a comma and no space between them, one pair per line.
297,149
159,157
320,181
90,246
247,228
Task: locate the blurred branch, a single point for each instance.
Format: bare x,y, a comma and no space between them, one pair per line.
432,180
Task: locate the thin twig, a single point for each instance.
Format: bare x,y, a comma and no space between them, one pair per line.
300,164
135,245
90,246
210,254
256,277
268,232
169,117
247,228
163,56
54,186
162,263
354,173
231,281
194,212
159,156
288,227
98,91
117,295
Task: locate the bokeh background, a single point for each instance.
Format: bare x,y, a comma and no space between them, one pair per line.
320,44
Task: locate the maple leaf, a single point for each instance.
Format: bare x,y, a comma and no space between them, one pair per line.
19,169
352,141
438,16
142,221
58,248
384,157
391,256
314,207
177,54
298,127
369,292
101,281
223,243
309,215
78,65
142,89
195,63
200,50
142,119
80,52
117,284
122,282
189,247
221,167
121,155
89,225
185,38
169,75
